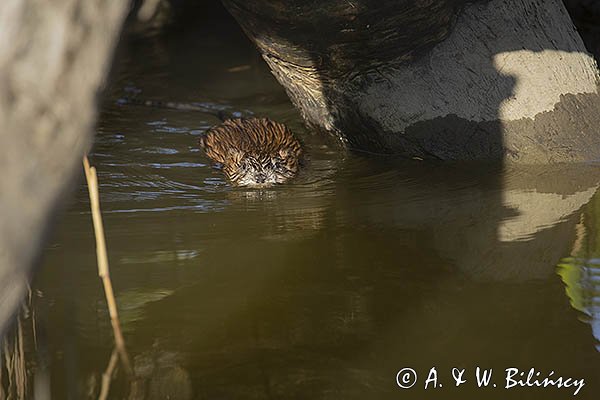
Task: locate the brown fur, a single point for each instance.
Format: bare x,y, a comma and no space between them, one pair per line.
254,151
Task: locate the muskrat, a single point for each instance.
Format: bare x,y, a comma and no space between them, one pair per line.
254,151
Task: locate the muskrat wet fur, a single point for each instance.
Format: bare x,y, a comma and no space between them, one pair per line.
255,152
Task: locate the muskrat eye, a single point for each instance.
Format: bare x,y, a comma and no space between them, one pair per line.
277,163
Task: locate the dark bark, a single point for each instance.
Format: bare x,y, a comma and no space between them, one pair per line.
586,16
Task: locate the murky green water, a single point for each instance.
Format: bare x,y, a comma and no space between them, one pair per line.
321,289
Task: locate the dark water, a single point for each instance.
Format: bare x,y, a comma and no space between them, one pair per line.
321,289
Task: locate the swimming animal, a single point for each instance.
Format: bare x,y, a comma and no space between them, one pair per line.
255,152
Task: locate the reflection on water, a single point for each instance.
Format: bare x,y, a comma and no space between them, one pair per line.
582,280
323,288
580,272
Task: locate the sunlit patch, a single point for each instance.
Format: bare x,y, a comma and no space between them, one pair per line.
541,72
536,211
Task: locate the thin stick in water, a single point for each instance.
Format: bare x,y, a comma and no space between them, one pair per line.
103,269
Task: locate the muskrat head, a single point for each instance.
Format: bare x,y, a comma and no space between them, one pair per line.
254,152
260,170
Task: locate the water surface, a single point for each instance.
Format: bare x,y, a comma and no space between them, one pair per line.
323,288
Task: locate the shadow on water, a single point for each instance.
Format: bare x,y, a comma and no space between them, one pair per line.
324,288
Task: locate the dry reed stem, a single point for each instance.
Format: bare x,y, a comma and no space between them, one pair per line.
2,395
107,375
14,363
8,364
103,269
21,370
9,356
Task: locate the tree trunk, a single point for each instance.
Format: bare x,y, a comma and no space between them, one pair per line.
53,57
443,79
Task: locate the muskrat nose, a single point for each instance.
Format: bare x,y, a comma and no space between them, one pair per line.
261,178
